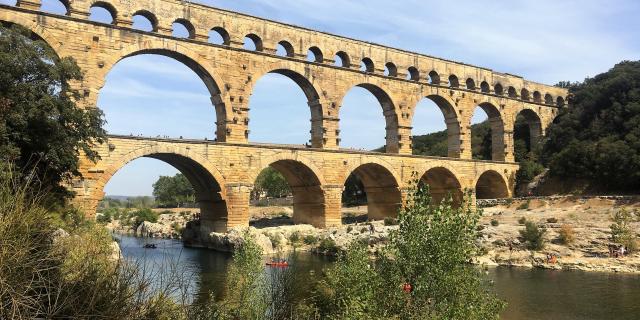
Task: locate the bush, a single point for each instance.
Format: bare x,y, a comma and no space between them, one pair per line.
552,220
349,229
143,215
389,221
310,239
328,246
295,238
533,236
364,230
524,206
622,231
567,234
495,222
522,220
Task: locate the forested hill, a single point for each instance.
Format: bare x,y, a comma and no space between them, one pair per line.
435,144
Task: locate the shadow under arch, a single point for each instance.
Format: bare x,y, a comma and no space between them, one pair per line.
531,120
443,184
497,130
206,180
452,121
306,187
491,185
389,112
382,190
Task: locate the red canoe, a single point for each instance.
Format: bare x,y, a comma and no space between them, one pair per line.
278,264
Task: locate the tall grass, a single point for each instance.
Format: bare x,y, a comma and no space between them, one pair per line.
43,275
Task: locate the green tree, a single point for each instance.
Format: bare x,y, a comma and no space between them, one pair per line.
273,183
597,138
174,191
41,128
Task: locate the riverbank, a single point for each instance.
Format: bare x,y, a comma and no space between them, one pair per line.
588,218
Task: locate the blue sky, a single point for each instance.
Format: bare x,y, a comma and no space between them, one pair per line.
546,41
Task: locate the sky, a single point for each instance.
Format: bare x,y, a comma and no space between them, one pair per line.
546,41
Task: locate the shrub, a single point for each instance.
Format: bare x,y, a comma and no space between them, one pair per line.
533,236
389,221
552,220
143,215
524,205
294,237
622,231
349,229
522,220
495,222
567,234
310,239
328,246
364,230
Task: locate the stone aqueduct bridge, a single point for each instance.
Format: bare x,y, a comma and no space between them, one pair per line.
224,171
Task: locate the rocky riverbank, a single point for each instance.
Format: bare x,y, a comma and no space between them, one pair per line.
499,237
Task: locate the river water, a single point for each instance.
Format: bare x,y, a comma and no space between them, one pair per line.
531,294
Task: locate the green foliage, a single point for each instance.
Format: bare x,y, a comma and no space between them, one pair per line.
429,251
142,215
295,237
436,144
328,246
173,192
533,236
495,222
271,182
310,239
390,221
41,129
522,220
598,137
622,232
524,205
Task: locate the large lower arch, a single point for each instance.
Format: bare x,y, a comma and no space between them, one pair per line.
443,184
204,177
384,198
497,131
306,183
451,118
491,185
390,114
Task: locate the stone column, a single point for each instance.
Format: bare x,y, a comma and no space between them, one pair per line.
324,125
213,213
238,198
234,129
332,206
383,202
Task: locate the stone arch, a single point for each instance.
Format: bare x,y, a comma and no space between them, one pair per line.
532,119
390,113
443,183
498,89
413,74
185,56
257,41
367,65
560,102
453,81
317,55
306,185
288,48
191,30
149,16
524,94
391,70
471,84
109,7
491,185
496,122
311,92
223,33
484,87
452,120
382,189
434,78
345,61
548,99
65,3
537,97
512,92
206,180
38,31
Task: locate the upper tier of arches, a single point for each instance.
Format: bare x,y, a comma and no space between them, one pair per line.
320,48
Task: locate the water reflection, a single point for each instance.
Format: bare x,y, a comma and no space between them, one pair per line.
531,294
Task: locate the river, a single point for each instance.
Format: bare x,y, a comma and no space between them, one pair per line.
531,294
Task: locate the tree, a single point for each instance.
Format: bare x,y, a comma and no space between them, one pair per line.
41,128
173,192
271,182
598,137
